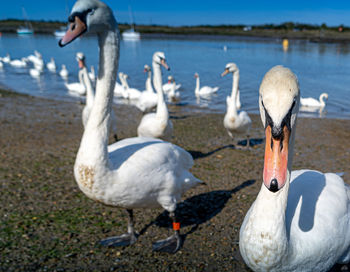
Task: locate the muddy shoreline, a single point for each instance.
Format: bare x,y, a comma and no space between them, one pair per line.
47,224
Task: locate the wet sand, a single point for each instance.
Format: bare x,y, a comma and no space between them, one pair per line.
46,223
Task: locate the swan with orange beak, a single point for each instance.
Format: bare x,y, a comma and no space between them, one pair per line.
300,220
278,110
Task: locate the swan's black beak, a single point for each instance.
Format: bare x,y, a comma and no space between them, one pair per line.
76,28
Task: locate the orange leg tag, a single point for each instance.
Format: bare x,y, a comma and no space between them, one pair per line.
176,226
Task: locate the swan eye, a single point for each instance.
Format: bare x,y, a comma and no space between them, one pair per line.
91,11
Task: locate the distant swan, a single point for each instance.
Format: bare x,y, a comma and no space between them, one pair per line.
35,73
158,124
22,63
51,65
205,90
300,220
312,102
135,172
173,94
234,122
7,58
167,87
148,98
132,93
64,72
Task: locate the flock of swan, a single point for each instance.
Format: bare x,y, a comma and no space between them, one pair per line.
280,231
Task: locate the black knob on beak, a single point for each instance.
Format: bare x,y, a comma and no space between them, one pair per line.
274,186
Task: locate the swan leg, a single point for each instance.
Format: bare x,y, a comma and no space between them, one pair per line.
248,142
172,243
124,239
115,136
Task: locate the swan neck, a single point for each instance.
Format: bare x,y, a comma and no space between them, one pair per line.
196,91
149,82
89,90
322,99
93,146
162,110
235,84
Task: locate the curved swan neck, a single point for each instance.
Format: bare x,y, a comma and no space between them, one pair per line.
93,146
322,99
162,110
89,90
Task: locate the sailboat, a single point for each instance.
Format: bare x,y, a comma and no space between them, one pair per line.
131,34
59,33
27,29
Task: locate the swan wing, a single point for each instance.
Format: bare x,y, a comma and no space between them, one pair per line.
309,102
164,175
318,218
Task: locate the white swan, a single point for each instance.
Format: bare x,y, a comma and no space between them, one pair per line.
92,74
7,58
300,220
314,103
132,93
148,98
64,72
1,65
234,122
173,94
51,65
167,87
158,124
124,174
148,84
78,88
19,63
90,96
37,61
120,89
205,90
35,73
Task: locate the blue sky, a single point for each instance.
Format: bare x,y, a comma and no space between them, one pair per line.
194,12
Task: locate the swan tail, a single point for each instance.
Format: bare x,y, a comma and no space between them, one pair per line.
191,181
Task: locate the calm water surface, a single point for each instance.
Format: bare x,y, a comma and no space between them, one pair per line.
319,67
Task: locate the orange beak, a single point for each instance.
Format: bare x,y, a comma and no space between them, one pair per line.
75,29
165,65
276,160
81,64
225,72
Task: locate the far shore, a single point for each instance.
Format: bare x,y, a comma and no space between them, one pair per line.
311,33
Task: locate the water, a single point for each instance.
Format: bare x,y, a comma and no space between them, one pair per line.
319,67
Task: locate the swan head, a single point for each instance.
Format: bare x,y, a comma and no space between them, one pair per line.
88,15
146,68
230,68
279,104
80,57
324,96
159,58
171,79
196,75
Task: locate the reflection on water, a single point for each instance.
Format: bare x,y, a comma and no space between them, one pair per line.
319,67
